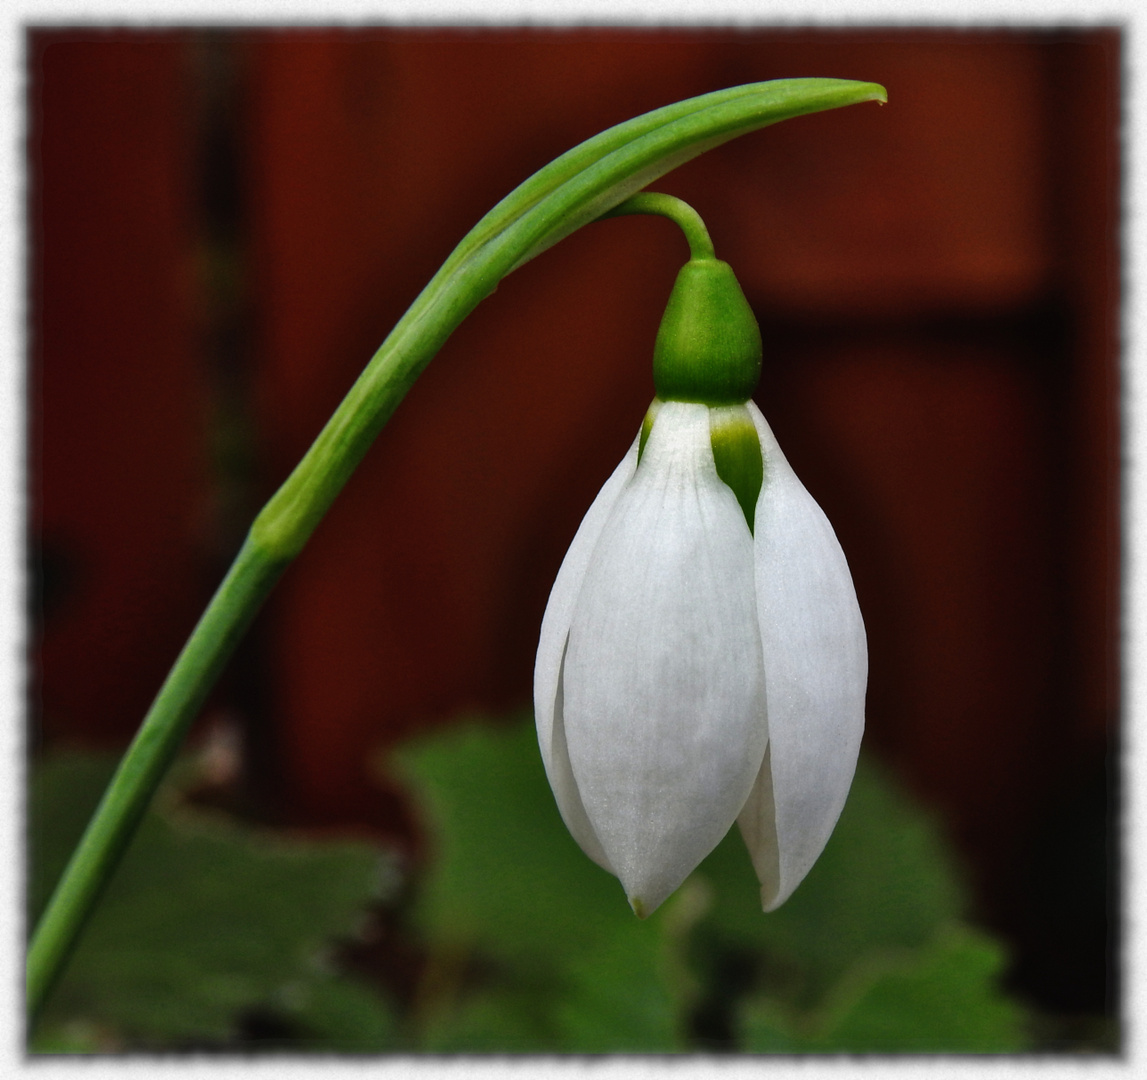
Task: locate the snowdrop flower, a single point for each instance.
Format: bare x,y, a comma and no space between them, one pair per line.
702,656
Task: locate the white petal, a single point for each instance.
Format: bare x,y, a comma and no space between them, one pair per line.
663,690
816,670
551,653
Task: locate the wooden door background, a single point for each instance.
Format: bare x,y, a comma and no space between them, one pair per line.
223,227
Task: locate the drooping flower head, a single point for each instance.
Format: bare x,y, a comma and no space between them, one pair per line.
702,656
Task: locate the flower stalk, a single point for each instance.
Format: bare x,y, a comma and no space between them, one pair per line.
575,189
676,210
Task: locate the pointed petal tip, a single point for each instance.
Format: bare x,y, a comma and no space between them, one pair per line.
773,897
768,904
639,908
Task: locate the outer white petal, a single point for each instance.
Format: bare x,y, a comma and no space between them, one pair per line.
551,652
816,670
663,690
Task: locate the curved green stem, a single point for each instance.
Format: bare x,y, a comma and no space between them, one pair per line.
571,191
251,577
677,210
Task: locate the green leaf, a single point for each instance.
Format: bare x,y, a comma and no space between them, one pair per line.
339,1014
205,918
494,1019
506,876
535,946
885,880
941,998
868,955
573,190
601,172
73,1036
627,992
534,949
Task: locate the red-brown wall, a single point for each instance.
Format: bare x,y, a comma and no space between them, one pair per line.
937,283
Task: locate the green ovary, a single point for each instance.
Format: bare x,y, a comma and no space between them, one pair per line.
708,347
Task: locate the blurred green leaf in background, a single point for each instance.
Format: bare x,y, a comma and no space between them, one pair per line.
518,908
221,936
207,923
869,955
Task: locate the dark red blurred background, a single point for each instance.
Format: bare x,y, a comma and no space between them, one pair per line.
224,226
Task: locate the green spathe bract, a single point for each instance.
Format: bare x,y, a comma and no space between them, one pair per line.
708,346
576,188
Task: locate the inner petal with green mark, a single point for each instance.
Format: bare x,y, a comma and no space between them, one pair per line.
647,426
737,455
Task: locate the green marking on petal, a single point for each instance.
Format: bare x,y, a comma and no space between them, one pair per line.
647,427
737,455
